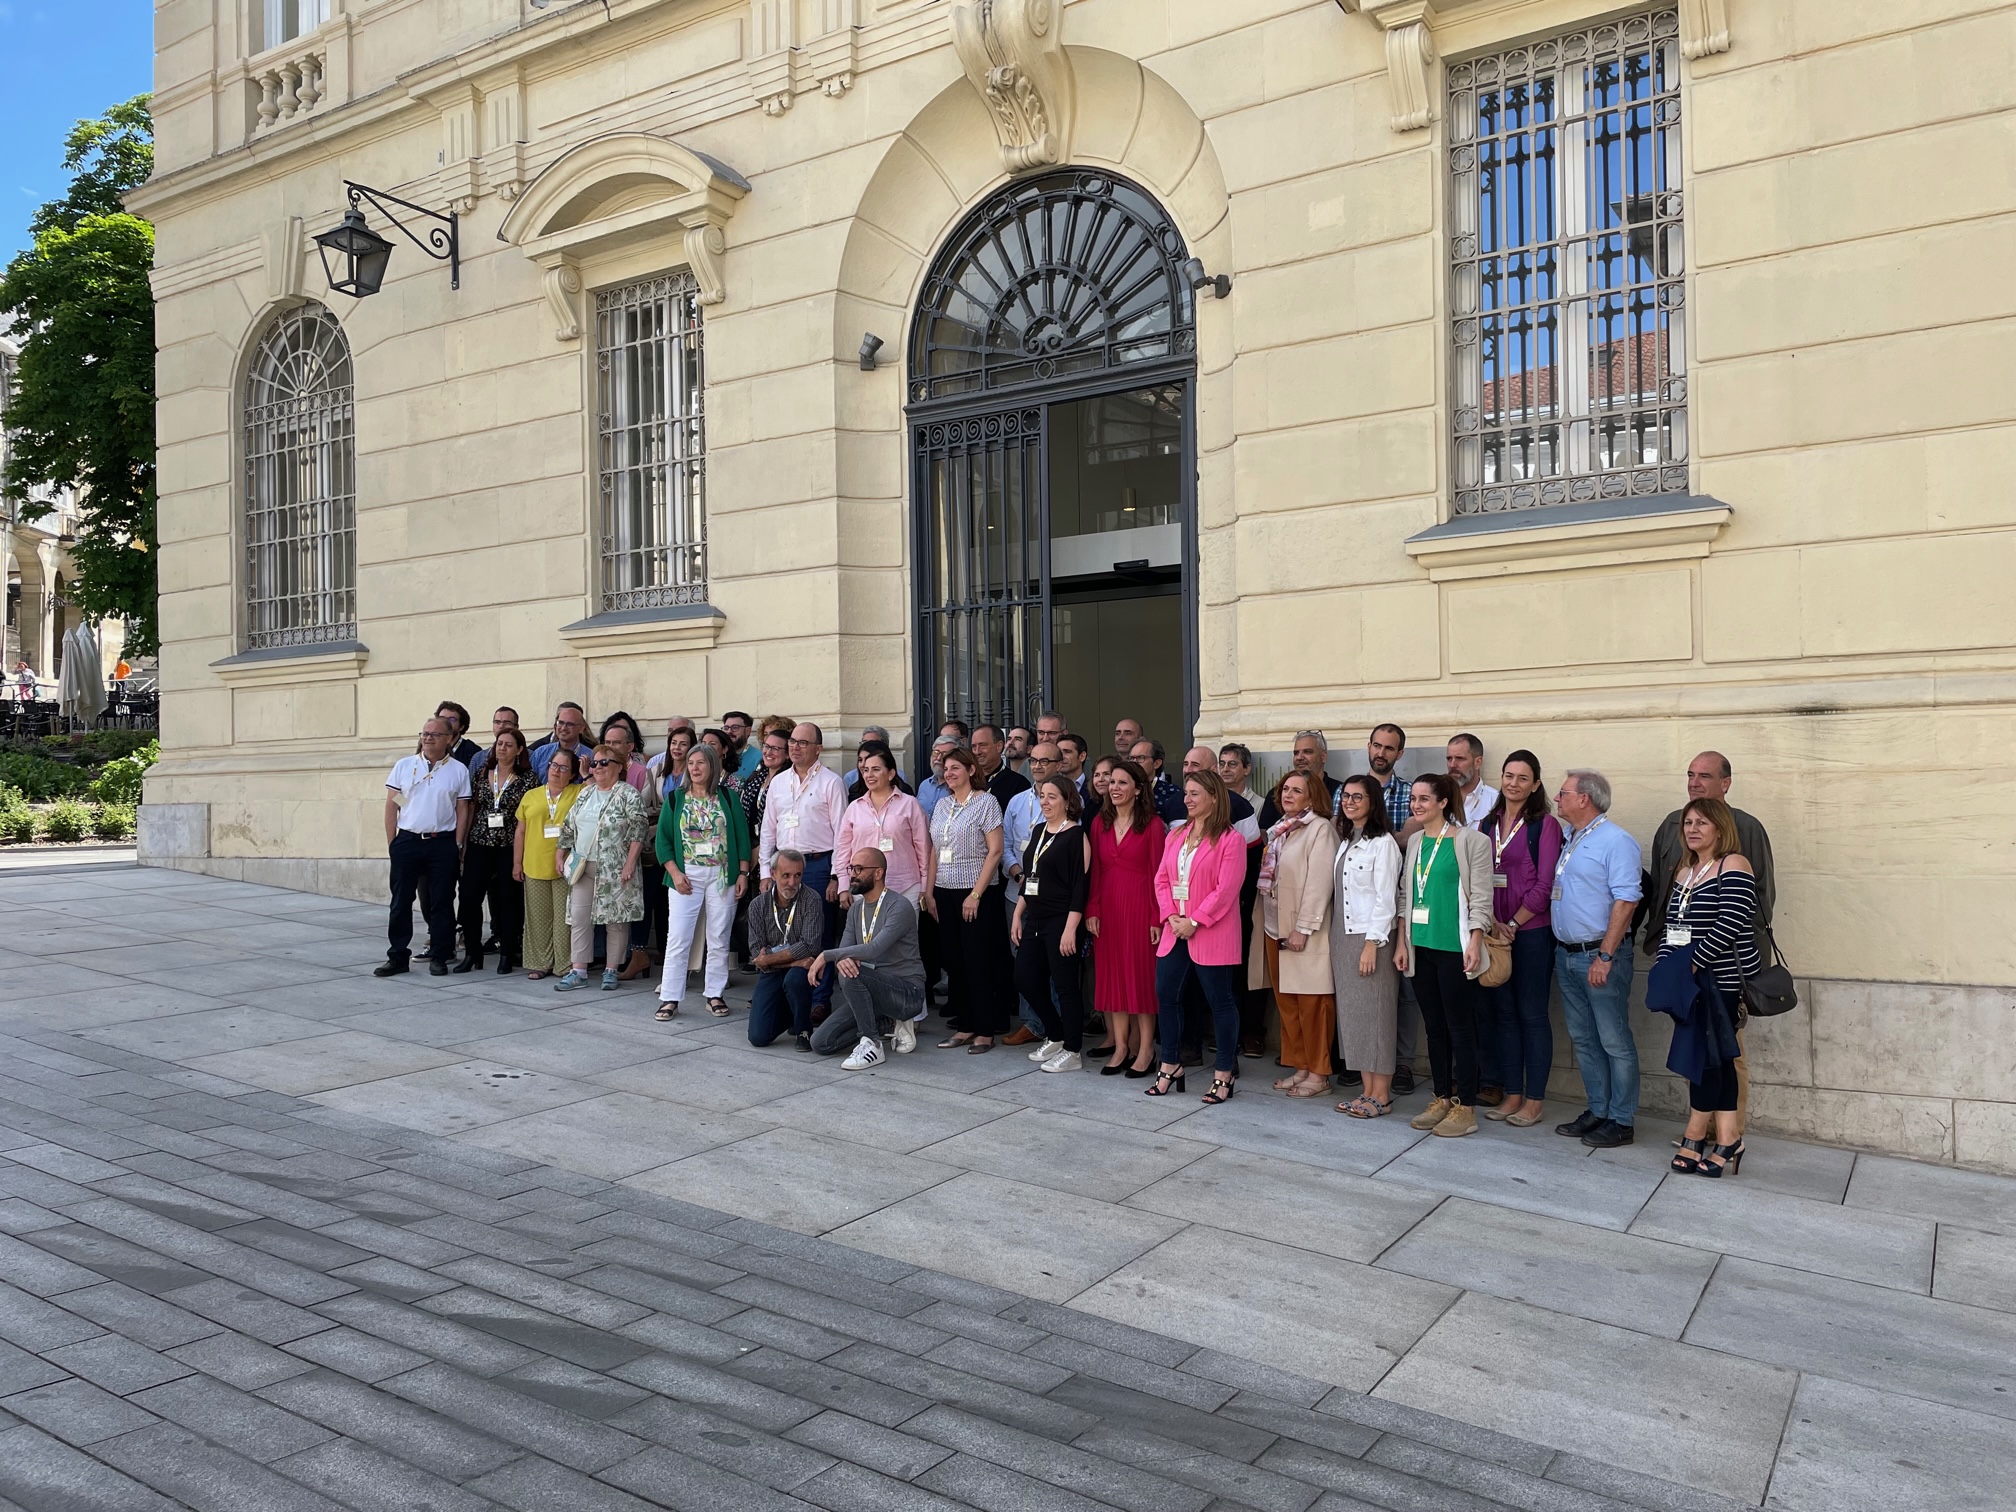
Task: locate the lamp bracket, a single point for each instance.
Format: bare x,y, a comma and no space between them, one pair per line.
443,242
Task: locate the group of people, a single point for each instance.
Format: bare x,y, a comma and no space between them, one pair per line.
1039,896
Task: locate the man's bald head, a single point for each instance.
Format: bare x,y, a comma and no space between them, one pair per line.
1709,776
1199,759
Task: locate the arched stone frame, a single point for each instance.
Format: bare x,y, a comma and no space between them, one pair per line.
945,163
621,191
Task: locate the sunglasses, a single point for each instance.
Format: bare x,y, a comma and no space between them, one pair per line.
604,762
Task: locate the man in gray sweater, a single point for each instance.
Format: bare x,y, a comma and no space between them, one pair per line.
879,974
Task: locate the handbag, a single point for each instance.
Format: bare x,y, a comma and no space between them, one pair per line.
579,859
1771,991
1497,964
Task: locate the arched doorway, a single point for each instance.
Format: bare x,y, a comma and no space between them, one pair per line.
1051,406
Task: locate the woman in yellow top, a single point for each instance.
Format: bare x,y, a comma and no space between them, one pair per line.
540,814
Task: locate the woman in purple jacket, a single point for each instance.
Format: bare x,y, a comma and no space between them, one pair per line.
1525,845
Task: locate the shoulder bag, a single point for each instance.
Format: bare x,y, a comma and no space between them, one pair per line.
1771,991
579,859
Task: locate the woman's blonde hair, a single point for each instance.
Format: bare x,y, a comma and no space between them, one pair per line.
1717,813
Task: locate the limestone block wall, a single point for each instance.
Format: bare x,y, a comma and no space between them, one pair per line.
1846,635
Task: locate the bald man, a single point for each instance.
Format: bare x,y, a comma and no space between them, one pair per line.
1709,775
877,973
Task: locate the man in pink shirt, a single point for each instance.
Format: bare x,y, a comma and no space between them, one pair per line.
802,809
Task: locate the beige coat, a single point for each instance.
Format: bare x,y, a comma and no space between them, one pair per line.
1473,883
1301,901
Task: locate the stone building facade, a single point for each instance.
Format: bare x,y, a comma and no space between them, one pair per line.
1610,380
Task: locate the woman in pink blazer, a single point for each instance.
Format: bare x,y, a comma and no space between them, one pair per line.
1197,899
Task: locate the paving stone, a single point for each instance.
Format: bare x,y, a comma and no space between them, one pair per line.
647,1253
1376,1484
1973,1199
1126,1370
33,1324
18,1216
248,1311
623,1222
411,1433
1057,1464
1880,1248
582,1304
537,1485
1975,1268
468,1348
148,1320
749,1401
1098,1401
660,1294
888,1451
1069,1322
867,1323
690,1341
1229,1482
394,1243
35,1270
1024,1372
805,1340
981,1326
1636,1490
845,1283
254,1428
361,1477
183,1465
852,1488
598,1349
41,1475
1250,1375
220,1257
728,1445
118,1364
1495,1482
76,1412
667,1478
243,1362
356,1354
116,1260
21,1371
1848,1448
572,1440
841,1257
956,1388
394,1279
301,1246
585,1392
993,1488
1324,1430
502,1244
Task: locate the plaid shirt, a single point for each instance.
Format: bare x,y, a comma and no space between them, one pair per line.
1399,801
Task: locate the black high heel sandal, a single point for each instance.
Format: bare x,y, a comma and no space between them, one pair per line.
1113,1070
1222,1088
1731,1162
1688,1161
1165,1083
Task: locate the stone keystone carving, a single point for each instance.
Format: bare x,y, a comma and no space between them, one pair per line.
1013,51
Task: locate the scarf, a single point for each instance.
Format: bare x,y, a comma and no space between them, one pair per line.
1277,837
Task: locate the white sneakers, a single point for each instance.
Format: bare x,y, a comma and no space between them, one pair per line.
905,1037
866,1054
1065,1060
1046,1050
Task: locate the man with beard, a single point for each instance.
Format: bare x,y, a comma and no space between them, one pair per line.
879,975
1383,750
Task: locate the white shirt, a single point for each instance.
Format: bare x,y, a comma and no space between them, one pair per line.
429,793
1366,878
1480,802
801,814
1021,816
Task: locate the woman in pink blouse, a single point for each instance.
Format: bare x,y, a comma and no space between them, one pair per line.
1197,898
886,820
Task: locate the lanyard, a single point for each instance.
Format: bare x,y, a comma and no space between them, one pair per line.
1045,840
1421,873
1561,866
868,924
1688,886
1504,842
784,924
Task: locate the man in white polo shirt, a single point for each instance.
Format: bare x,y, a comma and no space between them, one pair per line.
426,821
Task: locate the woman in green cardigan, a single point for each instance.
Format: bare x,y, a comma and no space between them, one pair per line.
703,844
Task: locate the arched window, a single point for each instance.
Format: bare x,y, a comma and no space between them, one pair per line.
300,485
1070,272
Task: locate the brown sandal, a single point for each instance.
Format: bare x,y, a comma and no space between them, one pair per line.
666,1012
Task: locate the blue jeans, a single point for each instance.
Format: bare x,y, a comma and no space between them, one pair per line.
781,998
1599,1022
1523,1033
818,872
1220,985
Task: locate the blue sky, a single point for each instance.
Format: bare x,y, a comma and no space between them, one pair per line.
60,61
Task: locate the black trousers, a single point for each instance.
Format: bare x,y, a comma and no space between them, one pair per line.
423,866
1041,965
486,878
979,967
1449,1017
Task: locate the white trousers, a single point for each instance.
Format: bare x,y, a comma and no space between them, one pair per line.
714,896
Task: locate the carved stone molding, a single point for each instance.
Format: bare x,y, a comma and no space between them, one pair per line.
1410,56
834,54
1013,52
285,252
563,287
773,42
1704,27
614,194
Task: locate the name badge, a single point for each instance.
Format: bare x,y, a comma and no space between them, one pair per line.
706,855
1556,895
1420,916
496,820
1029,888
1180,892
944,855
789,821
885,844
1499,879
1679,934
552,832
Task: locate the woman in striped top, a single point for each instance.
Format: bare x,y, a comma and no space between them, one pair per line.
1714,908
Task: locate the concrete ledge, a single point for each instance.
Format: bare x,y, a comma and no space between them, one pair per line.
172,830
632,632
288,666
1666,527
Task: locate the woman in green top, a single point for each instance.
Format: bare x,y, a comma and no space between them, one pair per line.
703,844
1445,907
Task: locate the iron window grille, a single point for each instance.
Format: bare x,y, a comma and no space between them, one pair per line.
301,485
653,444
1067,273
1568,270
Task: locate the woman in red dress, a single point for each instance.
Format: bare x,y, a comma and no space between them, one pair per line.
1121,915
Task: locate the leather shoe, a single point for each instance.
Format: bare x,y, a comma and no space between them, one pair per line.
391,968
1403,1080
1251,1047
436,966
1608,1135
1350,1078
1193,1057
1579,1125
1019,1035
467,964
1490,1097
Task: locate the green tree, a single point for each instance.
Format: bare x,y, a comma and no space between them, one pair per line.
82,413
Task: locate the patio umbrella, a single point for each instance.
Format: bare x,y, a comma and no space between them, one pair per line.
81,690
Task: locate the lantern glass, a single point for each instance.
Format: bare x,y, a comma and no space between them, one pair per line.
354,257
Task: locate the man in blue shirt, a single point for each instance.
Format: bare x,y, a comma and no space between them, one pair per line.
570,723
1596,890
1165,796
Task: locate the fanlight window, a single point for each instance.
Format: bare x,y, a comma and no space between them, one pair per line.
1066,273
300,485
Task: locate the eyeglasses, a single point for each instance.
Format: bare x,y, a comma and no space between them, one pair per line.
797,742
603,761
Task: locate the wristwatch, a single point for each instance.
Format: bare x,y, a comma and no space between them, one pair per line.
1604,955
